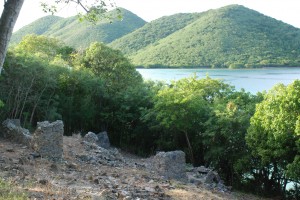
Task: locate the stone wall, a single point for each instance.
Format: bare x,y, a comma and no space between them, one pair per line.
48,139
171,165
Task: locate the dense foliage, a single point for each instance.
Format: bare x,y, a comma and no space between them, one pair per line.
45,80
273,138
81,34
251,140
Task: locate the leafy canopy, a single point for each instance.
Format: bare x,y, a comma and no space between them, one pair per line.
273,136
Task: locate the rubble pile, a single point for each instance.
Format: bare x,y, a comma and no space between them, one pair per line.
89,168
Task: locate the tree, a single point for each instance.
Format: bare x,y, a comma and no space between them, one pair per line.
27,87
111,66
48,49
94,10
184,107
8,20
224,138
273,138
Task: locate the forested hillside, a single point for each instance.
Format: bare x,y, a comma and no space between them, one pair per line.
81,34
153,32
38,27
233,36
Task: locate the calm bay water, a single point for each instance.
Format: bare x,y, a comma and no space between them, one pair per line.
252,80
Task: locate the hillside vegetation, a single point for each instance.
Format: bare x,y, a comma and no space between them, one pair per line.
229,37
153,32
232,36
81,34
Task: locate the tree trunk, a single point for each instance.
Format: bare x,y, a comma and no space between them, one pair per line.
189,147
8,20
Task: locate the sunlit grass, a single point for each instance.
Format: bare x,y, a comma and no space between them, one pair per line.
10,192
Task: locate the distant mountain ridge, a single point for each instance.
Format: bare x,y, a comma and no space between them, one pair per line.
81,34
229,37
233,36
153,32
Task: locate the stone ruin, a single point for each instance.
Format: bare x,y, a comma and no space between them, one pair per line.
91,137
48,139
101,139
13,131
99,151
197,175
170,165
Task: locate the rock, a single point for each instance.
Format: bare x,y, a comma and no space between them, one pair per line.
35,155
48,139
10,150
43,181
13,131
194,180
171,165
24,160
149,189
91,138
53,167
3,159
209,178
103,140
212,177
201,170
72,166
98,155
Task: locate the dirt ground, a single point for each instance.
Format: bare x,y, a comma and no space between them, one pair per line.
72,178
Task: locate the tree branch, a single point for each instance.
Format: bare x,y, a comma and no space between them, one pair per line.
80,4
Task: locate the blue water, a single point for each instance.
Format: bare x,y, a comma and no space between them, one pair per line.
252,80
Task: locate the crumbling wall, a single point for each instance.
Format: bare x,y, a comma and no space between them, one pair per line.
48,139
171,165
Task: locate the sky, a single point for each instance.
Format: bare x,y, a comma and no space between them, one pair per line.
285,10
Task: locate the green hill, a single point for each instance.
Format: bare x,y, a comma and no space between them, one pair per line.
152,32
81,34
232,36
38,27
